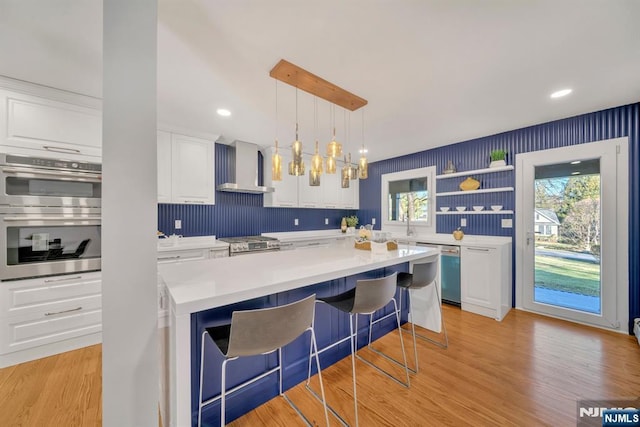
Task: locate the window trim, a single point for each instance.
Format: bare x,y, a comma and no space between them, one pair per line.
398,226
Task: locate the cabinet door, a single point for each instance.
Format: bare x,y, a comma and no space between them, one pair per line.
350,196
285,192
331,191
50,126
308,196
479,277
191,170
164,167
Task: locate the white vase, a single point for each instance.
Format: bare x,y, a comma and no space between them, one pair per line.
351,230
497,163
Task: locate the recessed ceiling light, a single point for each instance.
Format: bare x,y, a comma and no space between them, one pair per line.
561,93
576,162
575,173
223,112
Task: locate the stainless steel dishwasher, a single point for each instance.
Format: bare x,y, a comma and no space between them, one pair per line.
450,274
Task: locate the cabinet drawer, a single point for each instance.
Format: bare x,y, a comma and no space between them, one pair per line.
50,294
35,329
186,255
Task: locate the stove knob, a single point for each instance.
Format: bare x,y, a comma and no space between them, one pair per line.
74,165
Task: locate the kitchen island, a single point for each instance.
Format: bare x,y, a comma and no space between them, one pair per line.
204,293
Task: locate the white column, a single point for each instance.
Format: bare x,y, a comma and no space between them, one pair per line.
129,270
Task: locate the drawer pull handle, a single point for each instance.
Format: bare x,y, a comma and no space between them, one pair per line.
64,279
61,149
479,249
63,311
169,257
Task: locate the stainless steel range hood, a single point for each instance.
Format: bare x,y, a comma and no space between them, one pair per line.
244,170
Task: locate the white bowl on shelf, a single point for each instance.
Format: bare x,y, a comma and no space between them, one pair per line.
478,208
444,209
496,208
461,208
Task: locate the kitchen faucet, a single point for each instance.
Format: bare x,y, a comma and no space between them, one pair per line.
409,232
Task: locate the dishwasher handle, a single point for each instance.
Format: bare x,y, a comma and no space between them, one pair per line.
453,251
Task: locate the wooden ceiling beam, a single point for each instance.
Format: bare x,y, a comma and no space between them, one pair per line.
298,77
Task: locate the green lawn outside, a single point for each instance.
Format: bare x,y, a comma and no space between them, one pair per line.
567,275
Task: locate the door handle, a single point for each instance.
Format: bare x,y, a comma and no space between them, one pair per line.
529,237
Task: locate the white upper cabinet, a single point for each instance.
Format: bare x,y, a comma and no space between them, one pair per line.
295,191
285,194
331,197
56,123
185,169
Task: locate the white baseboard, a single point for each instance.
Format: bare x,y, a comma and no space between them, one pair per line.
47,350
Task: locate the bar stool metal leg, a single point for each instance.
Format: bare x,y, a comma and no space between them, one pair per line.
396,311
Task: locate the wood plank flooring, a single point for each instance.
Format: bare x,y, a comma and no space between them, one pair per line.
525,370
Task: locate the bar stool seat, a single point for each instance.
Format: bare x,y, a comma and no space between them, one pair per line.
367,297
256,332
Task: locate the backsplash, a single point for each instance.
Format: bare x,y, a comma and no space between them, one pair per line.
240,214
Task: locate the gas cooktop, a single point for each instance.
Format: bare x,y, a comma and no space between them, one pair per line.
250,244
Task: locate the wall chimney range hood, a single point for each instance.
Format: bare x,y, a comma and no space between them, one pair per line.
243,170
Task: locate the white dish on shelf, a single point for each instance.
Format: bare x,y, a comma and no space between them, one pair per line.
444,209
496,208
478,208
461,208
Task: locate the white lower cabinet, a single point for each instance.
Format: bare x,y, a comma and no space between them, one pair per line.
35,312
485,276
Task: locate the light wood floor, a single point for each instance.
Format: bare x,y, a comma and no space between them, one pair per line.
525,370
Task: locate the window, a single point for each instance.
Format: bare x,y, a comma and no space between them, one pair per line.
409,194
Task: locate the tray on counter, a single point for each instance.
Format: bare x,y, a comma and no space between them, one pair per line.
368,245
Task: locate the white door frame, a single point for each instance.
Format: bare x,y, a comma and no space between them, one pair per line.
615,308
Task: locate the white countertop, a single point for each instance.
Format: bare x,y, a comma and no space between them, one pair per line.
439,239
185,243
199,285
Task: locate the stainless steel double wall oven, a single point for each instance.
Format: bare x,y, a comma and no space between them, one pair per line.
49,216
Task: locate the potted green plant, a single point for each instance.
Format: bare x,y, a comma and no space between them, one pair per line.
498,158
352,222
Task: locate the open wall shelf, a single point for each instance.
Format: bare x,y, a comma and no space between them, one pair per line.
475,172
472,212
483,190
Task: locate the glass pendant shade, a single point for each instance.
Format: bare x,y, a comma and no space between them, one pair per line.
296,169
331,165
296,166
344,182
317,162
345,175
314,178
276,165
363,168
334,148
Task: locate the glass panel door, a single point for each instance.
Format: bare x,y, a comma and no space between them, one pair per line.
567,227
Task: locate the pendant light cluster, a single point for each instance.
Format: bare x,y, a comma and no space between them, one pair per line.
300,78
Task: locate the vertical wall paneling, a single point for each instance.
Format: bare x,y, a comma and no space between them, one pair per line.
617,122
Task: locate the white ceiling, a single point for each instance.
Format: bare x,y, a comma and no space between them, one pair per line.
434,72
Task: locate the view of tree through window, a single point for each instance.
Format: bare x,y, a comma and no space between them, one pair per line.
409,198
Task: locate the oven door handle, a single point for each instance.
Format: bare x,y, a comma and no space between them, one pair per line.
61,175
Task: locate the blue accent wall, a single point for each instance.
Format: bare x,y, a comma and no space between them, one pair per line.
239,214
617,122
